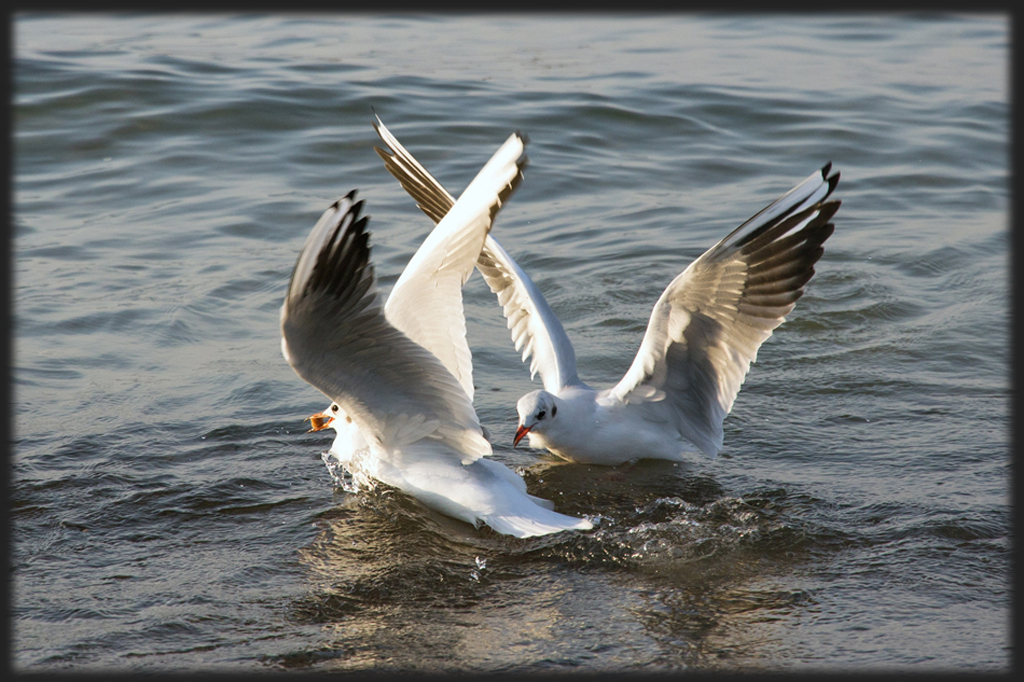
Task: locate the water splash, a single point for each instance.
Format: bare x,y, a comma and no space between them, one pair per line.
342,477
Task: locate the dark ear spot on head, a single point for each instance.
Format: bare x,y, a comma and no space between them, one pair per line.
348,419
554,410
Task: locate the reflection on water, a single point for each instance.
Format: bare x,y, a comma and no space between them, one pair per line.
392,584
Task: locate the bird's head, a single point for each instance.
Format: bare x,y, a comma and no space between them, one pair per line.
536,411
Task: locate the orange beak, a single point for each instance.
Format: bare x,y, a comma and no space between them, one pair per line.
520,432
319,421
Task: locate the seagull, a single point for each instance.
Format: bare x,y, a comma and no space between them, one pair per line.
400,375
703,333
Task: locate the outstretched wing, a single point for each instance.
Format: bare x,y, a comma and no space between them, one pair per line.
335,336
426,301
536,330
708,324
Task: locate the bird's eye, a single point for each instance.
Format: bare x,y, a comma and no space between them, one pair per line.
540,415
334,408
554,410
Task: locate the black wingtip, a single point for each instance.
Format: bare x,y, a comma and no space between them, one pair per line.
832,180
376,122
345,254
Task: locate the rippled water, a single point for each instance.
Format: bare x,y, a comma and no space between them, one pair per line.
170,513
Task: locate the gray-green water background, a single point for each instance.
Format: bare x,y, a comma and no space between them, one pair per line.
169,512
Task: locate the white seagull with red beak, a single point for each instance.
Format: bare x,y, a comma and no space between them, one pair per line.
703,334
400,375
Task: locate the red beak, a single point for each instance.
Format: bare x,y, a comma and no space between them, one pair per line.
520,432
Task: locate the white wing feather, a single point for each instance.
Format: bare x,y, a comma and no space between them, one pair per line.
335,336
426,301
536,330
